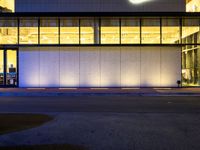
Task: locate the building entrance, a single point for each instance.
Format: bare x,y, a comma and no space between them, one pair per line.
8,68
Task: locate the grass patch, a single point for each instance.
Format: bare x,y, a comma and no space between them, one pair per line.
17,122
45,147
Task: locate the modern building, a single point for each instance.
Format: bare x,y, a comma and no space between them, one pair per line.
99,43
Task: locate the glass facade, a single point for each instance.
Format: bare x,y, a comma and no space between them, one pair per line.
191,52
192,5
11,68
87,29
8,31
170,31
7,5
28,31
49,31
110,31
69,31
150,31
130,31
8,67
1,67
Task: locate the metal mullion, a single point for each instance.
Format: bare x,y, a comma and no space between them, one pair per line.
120,31
79,31
59,31
18,31
5,66
161,31
181,27
99,31
38,31
17,78
140,30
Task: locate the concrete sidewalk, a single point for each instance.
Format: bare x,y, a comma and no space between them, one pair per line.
99,91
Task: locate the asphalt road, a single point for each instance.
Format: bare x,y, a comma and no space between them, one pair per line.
119,104
110,122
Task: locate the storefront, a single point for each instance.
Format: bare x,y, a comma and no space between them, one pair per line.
64,47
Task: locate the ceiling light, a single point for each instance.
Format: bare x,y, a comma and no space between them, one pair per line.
138,1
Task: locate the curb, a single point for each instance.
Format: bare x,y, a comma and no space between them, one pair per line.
44,94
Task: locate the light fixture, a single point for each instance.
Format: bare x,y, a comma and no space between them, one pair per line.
138,1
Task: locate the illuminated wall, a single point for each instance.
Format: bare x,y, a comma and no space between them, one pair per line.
7,5
99,66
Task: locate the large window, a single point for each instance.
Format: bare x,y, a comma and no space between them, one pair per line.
8,60
192,5
130,31
8,32
150,31
190,30
170,31
49,31
28,31
87,31
69,31
11,77
7,5
110,31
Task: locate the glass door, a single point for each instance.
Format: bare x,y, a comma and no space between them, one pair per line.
1,67
11,67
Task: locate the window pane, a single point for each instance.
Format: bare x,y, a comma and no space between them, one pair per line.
170,31
130,31
8,32
1,67
7,5
69,31
190,30
87,31
110,31
49,31
28,32
11,77
151,31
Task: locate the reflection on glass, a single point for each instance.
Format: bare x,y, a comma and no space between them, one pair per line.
49,31
110,31
28,32
190,27
1,67
170,31
69,31
11,77
87,31
151,31
130,31
8,32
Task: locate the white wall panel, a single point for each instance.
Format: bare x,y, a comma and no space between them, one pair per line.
130,66
90,67
49,67
99,66
110,67
69,67
150,66
170,66
29,67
